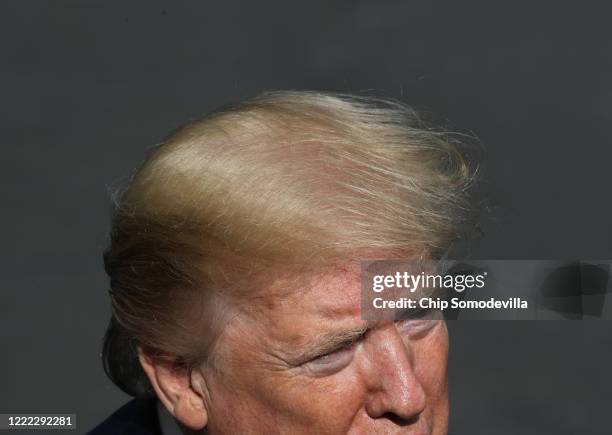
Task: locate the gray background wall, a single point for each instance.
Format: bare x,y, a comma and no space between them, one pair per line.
89,86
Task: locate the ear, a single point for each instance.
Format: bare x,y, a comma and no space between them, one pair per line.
180,392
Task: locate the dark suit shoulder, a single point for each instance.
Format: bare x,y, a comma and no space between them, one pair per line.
137,417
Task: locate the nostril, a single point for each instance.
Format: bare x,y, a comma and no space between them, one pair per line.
400,421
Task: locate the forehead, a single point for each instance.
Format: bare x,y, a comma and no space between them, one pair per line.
331,293
298,310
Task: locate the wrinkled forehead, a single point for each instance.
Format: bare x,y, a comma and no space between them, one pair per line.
328,292
295,307
335,291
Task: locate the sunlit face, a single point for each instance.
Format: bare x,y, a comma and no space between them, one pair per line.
307,363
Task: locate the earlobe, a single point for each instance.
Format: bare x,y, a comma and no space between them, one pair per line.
174,388
191,413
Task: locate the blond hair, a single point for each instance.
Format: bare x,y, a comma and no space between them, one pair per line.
288,178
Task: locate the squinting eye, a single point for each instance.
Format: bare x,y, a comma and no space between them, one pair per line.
419,323
331,362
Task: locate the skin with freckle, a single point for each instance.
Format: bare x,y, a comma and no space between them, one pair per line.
391,379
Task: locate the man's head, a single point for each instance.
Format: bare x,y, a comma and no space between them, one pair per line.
235,257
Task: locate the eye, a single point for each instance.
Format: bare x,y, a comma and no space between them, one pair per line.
331,362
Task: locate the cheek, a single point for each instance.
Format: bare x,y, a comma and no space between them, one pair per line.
340,396
328,403
297,402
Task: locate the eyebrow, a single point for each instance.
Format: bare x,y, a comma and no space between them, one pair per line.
330,341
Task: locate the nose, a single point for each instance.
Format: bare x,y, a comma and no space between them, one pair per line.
394,390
